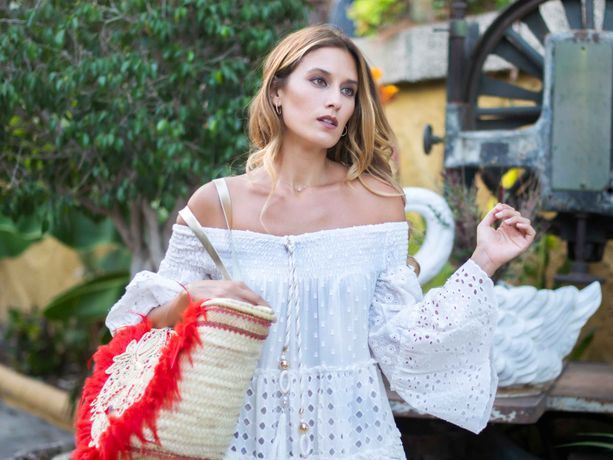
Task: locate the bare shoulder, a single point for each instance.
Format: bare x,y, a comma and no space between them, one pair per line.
204,203
381,201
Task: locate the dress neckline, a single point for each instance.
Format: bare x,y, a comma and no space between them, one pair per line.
304,235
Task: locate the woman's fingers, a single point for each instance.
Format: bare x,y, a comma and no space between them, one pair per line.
490,217
499,212
510,216
528,229
506,213
231,289
245,294
251,297
522,225
515,218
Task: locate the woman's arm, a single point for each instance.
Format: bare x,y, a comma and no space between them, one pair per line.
168,314
183,274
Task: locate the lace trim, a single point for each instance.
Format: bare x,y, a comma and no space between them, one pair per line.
129,376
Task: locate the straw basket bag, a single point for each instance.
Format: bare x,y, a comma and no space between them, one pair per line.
173,392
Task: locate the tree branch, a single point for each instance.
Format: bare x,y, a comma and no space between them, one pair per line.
122,227
152,229
135,224
90,205
172,218
223,55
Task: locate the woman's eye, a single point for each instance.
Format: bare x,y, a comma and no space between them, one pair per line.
348,91
319,81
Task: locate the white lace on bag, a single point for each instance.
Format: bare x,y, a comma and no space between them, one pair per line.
129,376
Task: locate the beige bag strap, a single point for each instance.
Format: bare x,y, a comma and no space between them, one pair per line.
224,199
226,206
188,216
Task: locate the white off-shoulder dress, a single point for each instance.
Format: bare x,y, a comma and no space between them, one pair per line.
352,306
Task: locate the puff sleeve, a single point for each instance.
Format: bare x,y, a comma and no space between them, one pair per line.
436,351
185,261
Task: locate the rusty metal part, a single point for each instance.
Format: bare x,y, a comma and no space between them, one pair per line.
583,387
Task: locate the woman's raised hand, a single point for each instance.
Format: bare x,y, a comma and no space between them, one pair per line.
497,246
169,314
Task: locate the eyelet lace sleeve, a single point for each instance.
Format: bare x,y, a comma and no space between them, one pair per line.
436,350
184,261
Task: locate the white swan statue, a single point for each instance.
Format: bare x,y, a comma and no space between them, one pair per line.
536,328
438,242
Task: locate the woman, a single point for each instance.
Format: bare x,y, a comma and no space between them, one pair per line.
320,235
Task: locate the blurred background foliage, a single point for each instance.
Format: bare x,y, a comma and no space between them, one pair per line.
370,16
123,108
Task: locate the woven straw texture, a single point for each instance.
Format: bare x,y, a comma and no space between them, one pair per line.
213,385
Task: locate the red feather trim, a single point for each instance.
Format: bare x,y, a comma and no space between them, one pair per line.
162,391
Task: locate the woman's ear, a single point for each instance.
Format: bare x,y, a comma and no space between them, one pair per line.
274,96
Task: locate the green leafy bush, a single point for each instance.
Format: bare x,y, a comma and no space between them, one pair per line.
369,15
57,351
123,108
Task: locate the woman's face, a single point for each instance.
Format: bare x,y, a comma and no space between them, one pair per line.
318,97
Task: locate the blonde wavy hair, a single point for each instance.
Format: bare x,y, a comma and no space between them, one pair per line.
369,143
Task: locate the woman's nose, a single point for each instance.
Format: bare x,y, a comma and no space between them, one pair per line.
333,98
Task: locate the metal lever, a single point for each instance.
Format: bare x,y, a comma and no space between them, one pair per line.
430,139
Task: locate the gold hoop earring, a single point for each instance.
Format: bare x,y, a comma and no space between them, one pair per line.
278,109
344,133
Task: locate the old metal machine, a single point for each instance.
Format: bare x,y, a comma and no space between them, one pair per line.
555,121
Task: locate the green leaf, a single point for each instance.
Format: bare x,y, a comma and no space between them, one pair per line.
15,121
59,38
161,126
76,230
602,445
17,237
90,300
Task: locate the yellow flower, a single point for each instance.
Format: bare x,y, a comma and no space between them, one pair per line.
510,177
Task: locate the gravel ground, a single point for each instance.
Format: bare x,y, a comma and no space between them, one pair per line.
21,432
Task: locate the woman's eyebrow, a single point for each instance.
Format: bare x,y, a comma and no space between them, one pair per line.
325,72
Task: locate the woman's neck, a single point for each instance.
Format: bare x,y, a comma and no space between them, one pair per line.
301,168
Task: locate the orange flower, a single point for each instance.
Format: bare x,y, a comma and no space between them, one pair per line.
376,73
387,92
